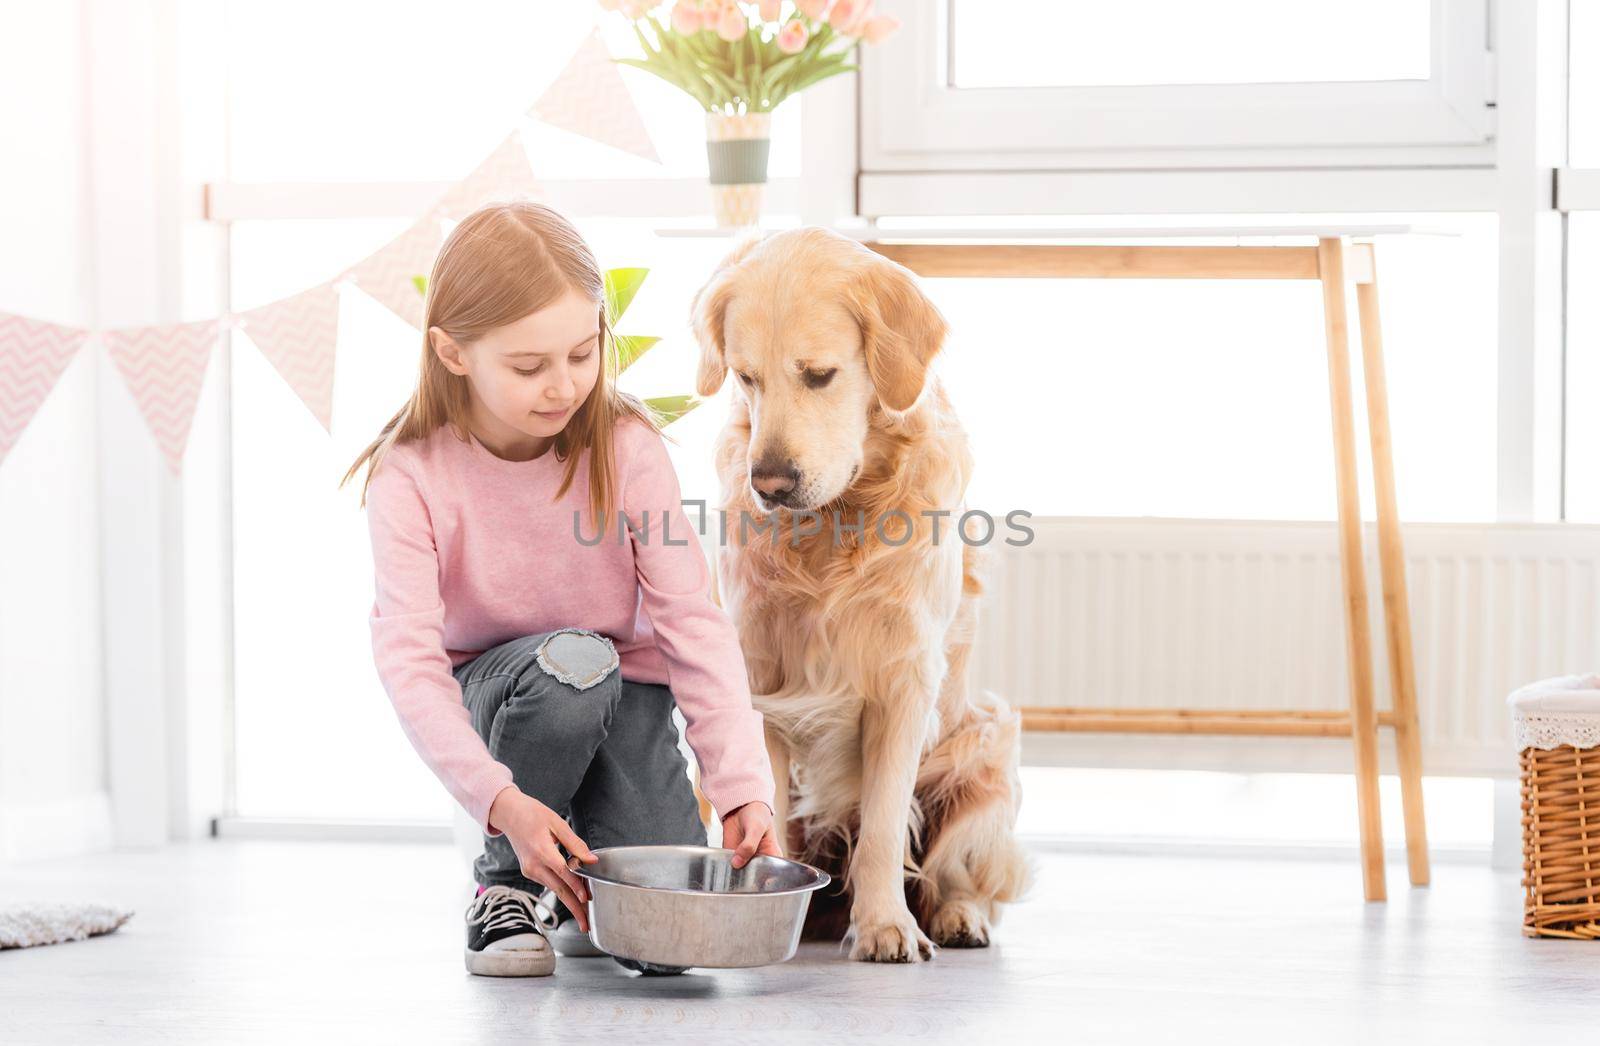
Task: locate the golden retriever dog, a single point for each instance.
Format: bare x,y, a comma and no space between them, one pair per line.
843,472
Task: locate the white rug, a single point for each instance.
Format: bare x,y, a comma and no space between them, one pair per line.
23,925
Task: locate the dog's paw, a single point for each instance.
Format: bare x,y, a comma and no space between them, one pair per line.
898,941
959,924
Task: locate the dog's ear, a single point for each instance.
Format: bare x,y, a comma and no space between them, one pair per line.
706,315
901,330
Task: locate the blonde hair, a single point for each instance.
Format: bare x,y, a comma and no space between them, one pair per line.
503,262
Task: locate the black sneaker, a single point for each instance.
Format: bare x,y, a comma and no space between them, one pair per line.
505,937
561,927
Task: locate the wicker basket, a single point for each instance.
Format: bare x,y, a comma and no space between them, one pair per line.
1557,726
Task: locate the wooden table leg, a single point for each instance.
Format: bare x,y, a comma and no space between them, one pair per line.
1396,604
1358,640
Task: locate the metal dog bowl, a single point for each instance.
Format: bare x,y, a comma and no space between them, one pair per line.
689,906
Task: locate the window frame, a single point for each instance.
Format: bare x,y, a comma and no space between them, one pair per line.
826,182
912,118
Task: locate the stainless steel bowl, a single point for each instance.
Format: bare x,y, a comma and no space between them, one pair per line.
689,906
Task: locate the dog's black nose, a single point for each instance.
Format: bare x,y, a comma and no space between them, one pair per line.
775,478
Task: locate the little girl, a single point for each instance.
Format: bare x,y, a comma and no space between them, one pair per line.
535,668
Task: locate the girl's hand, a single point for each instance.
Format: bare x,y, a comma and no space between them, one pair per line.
747,831
534,830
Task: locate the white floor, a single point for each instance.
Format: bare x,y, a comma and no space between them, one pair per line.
319,942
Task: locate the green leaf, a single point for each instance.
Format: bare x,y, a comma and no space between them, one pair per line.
696,65
675,61
674,46
726,82
630,347
670,408
817,75
644,41
664,72
806,60
781,66
752,74
769,50
703,46
621,286
421,284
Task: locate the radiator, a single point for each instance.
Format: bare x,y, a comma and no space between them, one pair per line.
1144,612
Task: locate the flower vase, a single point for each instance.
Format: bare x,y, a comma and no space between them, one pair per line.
736,152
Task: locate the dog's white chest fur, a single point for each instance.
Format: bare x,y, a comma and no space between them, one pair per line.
815,669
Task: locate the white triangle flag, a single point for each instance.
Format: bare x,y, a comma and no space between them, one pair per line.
590,98
503,175
33,354
298,336
389,275
164,368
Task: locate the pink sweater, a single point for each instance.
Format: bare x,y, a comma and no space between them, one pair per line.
472,551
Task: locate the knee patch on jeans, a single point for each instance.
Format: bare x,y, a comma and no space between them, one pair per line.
578,657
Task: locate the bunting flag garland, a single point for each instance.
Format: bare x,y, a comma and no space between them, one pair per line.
590,98
504,175
33,356
164,367
389,275
298,336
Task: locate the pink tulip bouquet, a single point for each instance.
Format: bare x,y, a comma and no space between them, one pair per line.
739,61
735,57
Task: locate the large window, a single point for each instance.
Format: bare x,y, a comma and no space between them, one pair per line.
412,91
1582,386
1210,398
1166,42
375,100
1583,370
1238,370
1583,274
1041,84
1165,398
314,733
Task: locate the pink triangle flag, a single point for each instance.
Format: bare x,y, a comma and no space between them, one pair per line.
389,274
298,336
589,98
33,355
164,367
504,175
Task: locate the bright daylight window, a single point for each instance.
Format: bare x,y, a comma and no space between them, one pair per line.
1583,274
1232,362
1171,42
1055,84
1210,398
417,105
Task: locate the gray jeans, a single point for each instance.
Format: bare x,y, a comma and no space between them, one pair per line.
598,749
